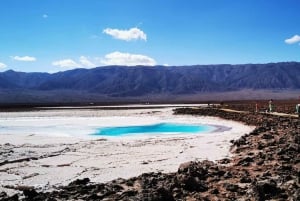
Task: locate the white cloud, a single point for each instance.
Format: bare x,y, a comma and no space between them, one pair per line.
25,58
70,63
2,65
86,62
45,16
114,58
127,35
292,40
66,63
119,58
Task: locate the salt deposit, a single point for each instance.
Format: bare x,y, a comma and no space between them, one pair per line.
63,150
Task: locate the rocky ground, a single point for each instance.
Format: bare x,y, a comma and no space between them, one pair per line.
281,106
265,166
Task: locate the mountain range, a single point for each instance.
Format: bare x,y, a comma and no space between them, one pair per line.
148,83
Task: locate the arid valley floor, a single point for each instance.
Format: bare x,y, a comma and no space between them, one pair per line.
263,164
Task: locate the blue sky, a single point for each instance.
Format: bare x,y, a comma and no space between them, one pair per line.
58,35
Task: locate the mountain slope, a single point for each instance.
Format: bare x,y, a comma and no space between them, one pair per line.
141,81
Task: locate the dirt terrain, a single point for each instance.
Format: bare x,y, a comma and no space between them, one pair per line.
281,106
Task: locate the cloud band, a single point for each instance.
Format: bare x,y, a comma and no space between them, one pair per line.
292,40
127,35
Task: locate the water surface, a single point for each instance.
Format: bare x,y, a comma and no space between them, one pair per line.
161,128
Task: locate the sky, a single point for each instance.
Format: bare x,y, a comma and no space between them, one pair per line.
59,35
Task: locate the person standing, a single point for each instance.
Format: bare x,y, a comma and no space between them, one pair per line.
271,105
297,110
256,107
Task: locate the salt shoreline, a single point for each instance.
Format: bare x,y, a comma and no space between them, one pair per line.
103,160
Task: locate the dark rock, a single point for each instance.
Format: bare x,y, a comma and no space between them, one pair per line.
117,187
255,132
3,195
231,187
127,194
267,189
245,161
15,197
260,146
30,193
285,168
245,180
260,162
297,139
160,194
220,173
267,174
267,136
293,148
129,182
282,140
214,191
240,141
194,169
224,161
191,183
177,193
94,196
296,195
285,158
80,182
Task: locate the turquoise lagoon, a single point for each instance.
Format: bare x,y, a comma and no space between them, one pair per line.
155,129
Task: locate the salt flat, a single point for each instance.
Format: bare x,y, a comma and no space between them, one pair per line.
49,148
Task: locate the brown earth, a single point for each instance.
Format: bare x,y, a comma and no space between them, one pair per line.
282,106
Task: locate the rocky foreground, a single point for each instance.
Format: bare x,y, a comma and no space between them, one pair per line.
265,166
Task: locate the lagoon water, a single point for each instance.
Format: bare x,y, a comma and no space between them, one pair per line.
160,128
101,122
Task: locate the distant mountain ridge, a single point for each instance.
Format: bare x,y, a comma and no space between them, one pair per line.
117,82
